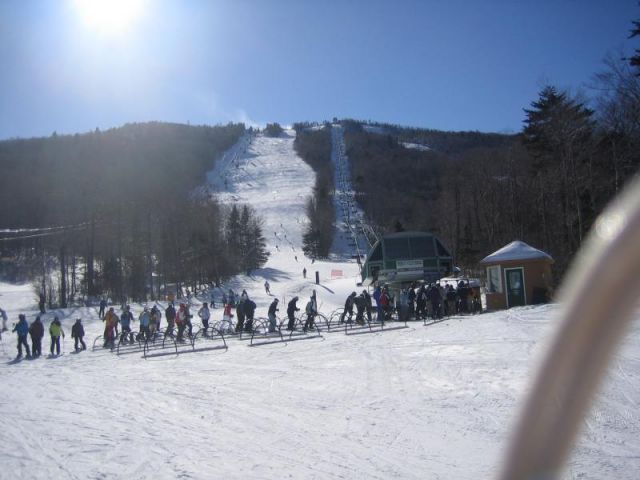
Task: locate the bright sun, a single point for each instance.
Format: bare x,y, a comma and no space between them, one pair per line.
109,15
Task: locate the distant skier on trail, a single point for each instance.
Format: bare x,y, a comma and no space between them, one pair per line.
55,330
3,315
304,272
77,333
273,308
22,329
103,305
266,287
36,331
292,308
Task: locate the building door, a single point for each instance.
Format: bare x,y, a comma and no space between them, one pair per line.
515,286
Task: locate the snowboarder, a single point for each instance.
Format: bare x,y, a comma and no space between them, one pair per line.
273,322
22,329
304,272
204,315
292,308
249,311
311,310
266,287
55,330
77,333
103,305
348,307
36,331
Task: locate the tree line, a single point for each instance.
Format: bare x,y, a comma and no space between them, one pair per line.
545,185
313,145
131,223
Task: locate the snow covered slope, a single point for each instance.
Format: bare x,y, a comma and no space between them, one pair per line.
431,402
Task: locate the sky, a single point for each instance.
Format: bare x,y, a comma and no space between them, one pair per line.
448,65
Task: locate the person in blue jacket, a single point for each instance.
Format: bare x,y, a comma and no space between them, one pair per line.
22,330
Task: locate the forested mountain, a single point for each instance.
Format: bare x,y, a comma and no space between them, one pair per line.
122,206
545,186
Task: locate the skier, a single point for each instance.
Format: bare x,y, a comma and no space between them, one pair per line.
240,312
170,313
110,325
36,331
188,319
249,310
204,315
41,303
360,303
244,295
181,321
385,304
156,315
226,319
292,308
377,293
22,329
232,298
145,319
3,314
348,307
367,304
103,305
212,298
77,332
311,310
304,272
266,287
273,308
436,299
125,323
55,330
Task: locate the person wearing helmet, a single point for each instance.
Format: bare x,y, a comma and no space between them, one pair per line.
273,308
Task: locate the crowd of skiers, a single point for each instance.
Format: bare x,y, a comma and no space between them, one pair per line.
425,301
429,300
36,332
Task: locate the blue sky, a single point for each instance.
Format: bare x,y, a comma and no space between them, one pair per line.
451,65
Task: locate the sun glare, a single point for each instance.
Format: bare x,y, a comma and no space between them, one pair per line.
109,15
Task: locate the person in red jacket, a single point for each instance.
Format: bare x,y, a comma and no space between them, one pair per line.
384,302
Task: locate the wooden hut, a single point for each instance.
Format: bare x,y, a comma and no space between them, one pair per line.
517,274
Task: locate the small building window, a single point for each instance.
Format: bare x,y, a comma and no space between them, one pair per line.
494,279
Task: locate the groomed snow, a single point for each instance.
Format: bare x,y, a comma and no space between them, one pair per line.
431,402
